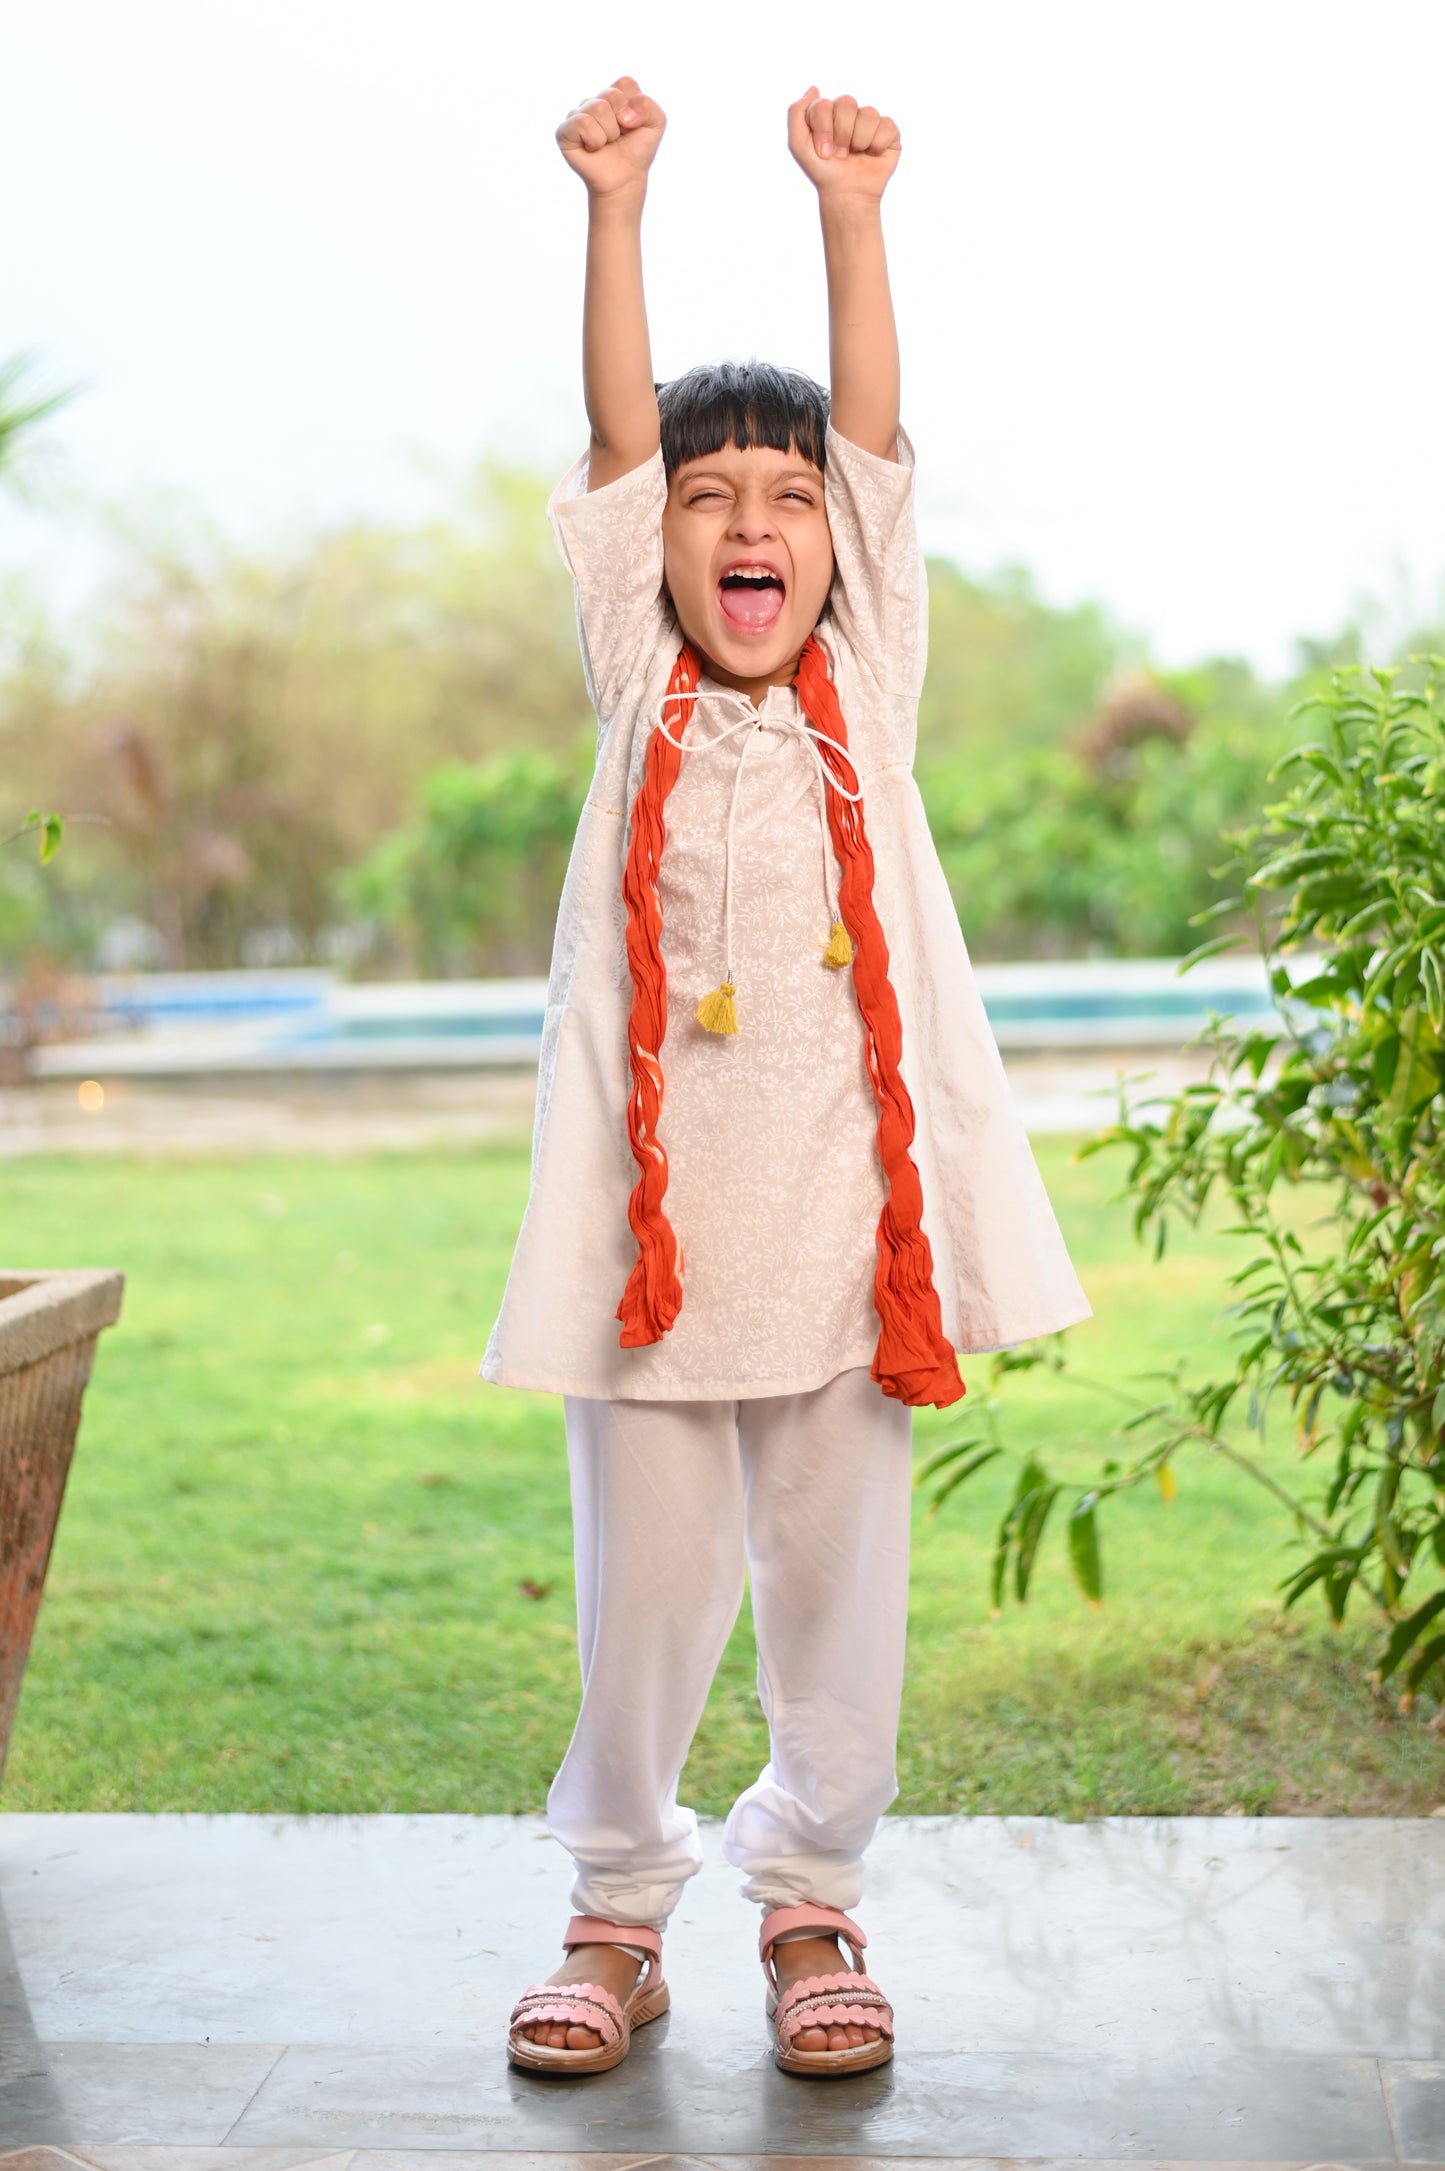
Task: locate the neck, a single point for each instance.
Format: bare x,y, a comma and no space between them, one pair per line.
753,688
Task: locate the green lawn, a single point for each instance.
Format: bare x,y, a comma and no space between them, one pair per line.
308,1562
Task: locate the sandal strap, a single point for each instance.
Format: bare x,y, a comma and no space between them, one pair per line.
833,2001
582,2005
828,1921
594,1930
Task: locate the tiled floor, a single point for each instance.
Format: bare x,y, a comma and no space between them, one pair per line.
230,2159
218,1994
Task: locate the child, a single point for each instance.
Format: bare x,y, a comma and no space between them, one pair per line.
773,1135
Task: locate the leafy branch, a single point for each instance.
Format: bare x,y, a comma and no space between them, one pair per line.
23,408
1343,881
49,828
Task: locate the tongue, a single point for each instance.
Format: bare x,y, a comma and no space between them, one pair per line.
751,609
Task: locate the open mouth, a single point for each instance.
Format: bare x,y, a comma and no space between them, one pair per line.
751,598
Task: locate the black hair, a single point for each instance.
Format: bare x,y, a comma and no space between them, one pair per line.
742,404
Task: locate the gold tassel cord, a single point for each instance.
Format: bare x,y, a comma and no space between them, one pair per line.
717,1012
840,948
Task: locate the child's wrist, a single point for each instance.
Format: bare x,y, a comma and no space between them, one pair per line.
617,206
842,211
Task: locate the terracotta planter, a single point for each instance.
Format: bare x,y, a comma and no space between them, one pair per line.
49,1326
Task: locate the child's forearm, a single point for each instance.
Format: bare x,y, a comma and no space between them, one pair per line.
616,352
862,336
849,153
610,141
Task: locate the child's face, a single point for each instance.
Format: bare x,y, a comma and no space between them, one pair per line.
748,559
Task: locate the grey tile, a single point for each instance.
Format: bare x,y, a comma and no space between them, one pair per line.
460,2159
293,2159
1257,2109
386,2159
1415,2091
143,2156
111,2093
1032,2163
1213,1990
709,2163
1250,1934
676,2163
666,2098
38,2159
395,2103
1252,2108
998,2163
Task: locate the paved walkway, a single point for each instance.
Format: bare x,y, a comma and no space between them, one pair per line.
398,1111
211,1994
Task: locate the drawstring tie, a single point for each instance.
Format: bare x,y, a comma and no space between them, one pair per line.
914,1360
717,1011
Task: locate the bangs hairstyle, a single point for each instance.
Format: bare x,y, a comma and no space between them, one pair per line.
743,404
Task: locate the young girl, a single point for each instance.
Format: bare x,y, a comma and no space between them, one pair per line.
773,1135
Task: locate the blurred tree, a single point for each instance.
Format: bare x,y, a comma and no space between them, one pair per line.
1106,844
252,726
1007,671
473,887
23,407
256,727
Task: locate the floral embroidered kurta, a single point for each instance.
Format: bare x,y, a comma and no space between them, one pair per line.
774,1185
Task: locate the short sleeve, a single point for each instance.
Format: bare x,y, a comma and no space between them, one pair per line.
879,603
611,541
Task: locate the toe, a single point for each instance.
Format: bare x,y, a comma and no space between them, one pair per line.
854,2034
811,2039
837,2039
583,2039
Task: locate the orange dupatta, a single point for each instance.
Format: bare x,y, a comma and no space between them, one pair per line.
914,1361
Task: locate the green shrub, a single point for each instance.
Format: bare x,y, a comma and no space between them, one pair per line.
1107,842
1345,1324
473,886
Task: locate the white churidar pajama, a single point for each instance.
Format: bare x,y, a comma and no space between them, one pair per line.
668,1500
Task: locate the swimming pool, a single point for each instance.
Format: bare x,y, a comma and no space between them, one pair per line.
177,1024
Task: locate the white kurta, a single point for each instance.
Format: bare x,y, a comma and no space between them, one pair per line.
774,1184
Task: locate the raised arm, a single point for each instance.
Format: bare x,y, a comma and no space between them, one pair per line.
849,152
611,141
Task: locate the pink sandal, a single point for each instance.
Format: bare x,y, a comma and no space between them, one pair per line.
825,2001
588,2005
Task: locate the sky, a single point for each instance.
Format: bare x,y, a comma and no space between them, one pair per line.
1167,275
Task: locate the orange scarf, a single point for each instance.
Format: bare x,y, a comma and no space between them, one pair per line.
914,1361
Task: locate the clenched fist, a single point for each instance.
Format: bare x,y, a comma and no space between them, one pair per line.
612,139
843,148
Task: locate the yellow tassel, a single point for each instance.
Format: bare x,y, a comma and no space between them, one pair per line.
717,1012
840,950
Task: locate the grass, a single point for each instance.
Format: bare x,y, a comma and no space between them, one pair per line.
307,1562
